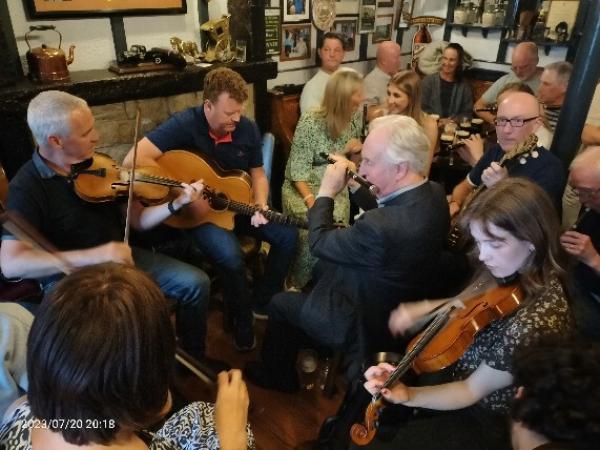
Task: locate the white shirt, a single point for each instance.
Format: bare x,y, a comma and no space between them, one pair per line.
376,83
314,89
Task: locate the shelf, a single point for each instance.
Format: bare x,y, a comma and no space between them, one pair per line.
548,45
465,27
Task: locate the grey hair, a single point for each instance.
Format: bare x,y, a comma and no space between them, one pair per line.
563,70
407,141
49,113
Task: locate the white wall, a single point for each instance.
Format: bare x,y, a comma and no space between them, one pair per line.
95,48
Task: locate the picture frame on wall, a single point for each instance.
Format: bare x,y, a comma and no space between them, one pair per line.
295,42
273,31
404,13
347,28
366,17
346,7
295,10
44,9
383,28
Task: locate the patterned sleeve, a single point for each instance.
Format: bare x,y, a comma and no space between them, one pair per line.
193,428
301,153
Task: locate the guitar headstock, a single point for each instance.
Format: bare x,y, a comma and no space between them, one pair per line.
523,149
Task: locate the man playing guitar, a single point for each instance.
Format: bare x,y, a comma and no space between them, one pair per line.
217,129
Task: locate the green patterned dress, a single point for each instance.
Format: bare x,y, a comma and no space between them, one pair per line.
305,164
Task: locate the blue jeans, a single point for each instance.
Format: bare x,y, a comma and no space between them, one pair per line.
186,284
223,247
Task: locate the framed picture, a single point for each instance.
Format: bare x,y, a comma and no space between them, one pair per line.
385,4
383,28
295,42
44,9
346,7
366,18
404,13
347,28
295,10
273,31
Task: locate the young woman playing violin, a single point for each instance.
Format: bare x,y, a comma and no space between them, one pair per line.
516,229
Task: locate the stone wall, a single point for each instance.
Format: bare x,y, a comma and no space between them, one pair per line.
115,122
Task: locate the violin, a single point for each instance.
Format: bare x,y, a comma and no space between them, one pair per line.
443,342
100,179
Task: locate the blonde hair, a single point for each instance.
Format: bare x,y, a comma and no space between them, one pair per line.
336,107
409,82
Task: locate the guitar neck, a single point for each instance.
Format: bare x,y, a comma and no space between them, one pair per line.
249,210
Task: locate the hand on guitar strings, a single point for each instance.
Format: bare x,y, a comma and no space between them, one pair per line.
259,219
494,173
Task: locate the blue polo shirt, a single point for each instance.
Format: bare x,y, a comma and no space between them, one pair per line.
189,130
540,166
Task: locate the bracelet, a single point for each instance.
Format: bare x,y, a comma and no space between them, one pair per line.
307,197
172,209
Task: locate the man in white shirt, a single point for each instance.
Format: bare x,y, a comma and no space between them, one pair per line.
331,53
523,68
388,63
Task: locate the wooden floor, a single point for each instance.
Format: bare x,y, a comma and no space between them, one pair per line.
279,421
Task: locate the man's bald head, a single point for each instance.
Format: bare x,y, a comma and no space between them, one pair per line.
525,60
515,107
584,176
388,57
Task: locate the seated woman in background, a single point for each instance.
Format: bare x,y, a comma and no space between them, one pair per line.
516,231
99,361
335,127
446,93
404,97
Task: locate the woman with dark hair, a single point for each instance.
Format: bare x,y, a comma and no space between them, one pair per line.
446,93
99,361
516,231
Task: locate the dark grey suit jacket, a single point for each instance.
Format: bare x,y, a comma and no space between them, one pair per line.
391,254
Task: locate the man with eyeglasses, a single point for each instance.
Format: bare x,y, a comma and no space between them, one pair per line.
524,68
582,241
331,52
518,117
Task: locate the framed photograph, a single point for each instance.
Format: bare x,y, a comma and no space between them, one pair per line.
404,13
273,31
295,10
346,7
385,4
347,28
44,9
366,17
295,42
383,28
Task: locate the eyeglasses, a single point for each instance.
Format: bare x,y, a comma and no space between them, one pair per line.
587,192
515,123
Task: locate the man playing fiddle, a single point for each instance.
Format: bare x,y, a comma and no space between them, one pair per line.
218,129
84,233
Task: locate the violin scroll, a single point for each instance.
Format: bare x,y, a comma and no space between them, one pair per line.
363,434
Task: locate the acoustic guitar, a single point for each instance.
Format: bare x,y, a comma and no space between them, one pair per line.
226,192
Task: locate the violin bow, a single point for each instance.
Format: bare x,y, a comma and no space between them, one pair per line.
25,232
138,116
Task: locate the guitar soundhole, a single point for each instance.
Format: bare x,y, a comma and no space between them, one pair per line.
218,201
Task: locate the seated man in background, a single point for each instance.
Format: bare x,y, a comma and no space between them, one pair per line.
583,242
518,118
331,52
557,404
388,256
553,88
387,64
218,130
523,68
85,233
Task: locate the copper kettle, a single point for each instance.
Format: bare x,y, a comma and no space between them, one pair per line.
47,64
